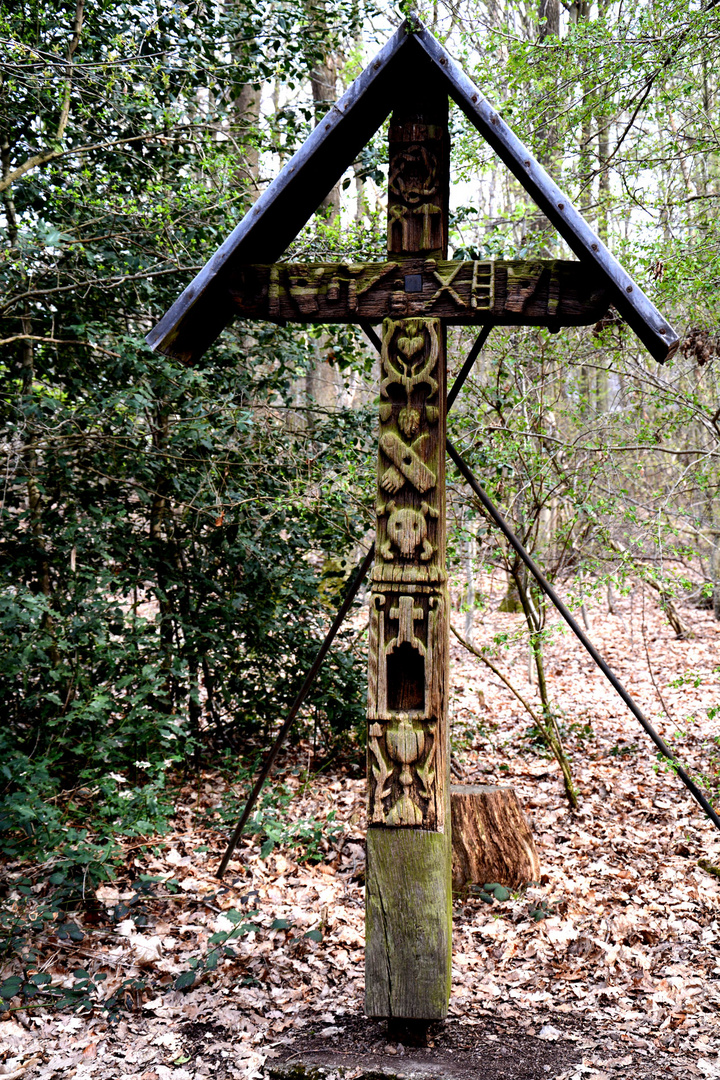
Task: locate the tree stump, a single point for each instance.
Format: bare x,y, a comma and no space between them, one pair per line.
491,838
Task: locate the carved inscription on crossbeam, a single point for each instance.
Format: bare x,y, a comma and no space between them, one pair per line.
538,292
407,603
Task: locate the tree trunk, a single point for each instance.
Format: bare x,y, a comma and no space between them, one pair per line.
323,79
491,838
716,575
245,116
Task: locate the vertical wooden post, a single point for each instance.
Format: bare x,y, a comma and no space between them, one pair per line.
409,890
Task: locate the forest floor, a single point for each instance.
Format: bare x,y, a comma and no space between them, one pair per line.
622,976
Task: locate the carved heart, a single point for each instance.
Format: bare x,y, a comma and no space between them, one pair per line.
411,346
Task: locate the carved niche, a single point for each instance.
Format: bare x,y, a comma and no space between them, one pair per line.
407,609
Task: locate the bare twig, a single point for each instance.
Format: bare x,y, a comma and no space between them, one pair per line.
57,341
667,712
496,671
48,155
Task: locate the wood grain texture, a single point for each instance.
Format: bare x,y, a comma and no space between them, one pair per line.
409,887
491,838
408,923
519,292
407,728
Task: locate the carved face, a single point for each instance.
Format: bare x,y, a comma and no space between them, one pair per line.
407,528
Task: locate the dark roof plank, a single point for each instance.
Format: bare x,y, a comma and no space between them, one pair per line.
204,308
640,313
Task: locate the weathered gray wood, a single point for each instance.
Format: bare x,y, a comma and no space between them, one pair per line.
491,838
408,920
412,57
504,292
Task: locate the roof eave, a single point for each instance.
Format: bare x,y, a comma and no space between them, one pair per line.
205,307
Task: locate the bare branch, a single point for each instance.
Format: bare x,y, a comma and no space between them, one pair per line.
496,671
57,341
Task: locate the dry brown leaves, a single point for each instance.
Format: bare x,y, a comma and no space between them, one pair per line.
626,965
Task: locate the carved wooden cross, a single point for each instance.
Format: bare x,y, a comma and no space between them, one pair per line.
417,292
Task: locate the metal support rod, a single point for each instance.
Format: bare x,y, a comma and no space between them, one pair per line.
302,694
467,366
371,334
352,592
465,370
584,641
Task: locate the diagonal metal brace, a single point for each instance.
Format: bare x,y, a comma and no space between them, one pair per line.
302,694
547,588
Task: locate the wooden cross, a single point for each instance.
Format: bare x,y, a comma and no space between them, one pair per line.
416,292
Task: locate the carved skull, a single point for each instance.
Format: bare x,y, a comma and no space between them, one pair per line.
407,528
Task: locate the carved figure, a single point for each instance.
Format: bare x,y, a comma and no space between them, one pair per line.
413,176
409,421
381,771
304,289
405,744
482,288
407,615
362,276
398,215
445,282
407,529
425,772
522,286
402,743
430,217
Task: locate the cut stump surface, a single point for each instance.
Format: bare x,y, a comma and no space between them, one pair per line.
491,838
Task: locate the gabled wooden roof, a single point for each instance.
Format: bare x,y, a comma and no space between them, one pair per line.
412,54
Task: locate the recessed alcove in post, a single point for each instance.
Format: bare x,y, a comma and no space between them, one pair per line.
405,680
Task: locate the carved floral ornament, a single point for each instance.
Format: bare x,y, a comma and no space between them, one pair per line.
413,174
410,351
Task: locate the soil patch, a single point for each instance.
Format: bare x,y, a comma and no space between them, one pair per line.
359,1048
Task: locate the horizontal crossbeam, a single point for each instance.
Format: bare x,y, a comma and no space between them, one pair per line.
537,292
